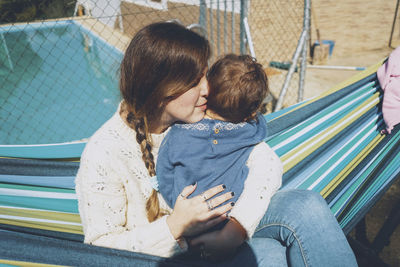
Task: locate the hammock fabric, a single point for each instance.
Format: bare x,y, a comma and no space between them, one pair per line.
331,144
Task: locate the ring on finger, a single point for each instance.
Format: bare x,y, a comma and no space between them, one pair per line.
209,205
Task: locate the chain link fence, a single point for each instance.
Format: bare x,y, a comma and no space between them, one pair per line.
276,27
59,59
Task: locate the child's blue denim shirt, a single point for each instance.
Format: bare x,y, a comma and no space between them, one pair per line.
209,152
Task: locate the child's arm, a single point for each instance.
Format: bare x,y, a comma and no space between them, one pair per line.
263,180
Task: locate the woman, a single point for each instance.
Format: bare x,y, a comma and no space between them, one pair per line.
163,82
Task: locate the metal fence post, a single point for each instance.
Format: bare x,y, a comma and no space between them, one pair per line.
243,14
303,62
225,29
218,30
394,22
248,37
233,26
211,35
292,68
202,15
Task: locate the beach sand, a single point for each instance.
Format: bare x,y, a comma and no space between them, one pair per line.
361,31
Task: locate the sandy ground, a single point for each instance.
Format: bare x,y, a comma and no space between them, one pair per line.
361,31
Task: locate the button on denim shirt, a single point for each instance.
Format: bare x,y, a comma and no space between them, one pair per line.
209,152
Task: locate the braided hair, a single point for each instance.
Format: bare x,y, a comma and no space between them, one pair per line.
162,61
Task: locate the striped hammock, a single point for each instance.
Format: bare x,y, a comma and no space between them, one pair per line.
330,144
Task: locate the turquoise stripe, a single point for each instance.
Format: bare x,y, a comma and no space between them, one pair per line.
338,207
351,182
307,170
304,137
7,265
62,205
391,171
45,151
282,112
322,126
344,162
37,188
340,204
382,178
48,181
272,116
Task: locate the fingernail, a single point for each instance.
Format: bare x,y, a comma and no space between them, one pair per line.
232,204
223,186
232,193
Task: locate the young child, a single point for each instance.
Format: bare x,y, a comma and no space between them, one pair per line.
216,150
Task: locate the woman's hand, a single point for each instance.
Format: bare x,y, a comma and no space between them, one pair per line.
220,244
192,216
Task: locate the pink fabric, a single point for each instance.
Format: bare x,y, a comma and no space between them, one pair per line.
389,79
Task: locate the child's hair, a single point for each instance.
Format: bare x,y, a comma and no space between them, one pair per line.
163,61
237,87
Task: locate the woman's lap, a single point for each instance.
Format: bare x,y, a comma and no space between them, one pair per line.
297,230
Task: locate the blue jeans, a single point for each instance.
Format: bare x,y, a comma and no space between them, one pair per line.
297,230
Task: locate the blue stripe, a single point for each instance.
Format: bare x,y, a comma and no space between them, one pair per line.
338,153
273,115
62,205
45,151
48,181
325,124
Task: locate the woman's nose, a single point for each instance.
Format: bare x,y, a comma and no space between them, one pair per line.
204,90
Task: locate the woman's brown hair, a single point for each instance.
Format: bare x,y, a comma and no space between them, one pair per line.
237,87
162,61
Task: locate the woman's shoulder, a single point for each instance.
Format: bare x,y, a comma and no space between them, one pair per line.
114,134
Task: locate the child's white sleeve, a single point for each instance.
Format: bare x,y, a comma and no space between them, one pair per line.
263,180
